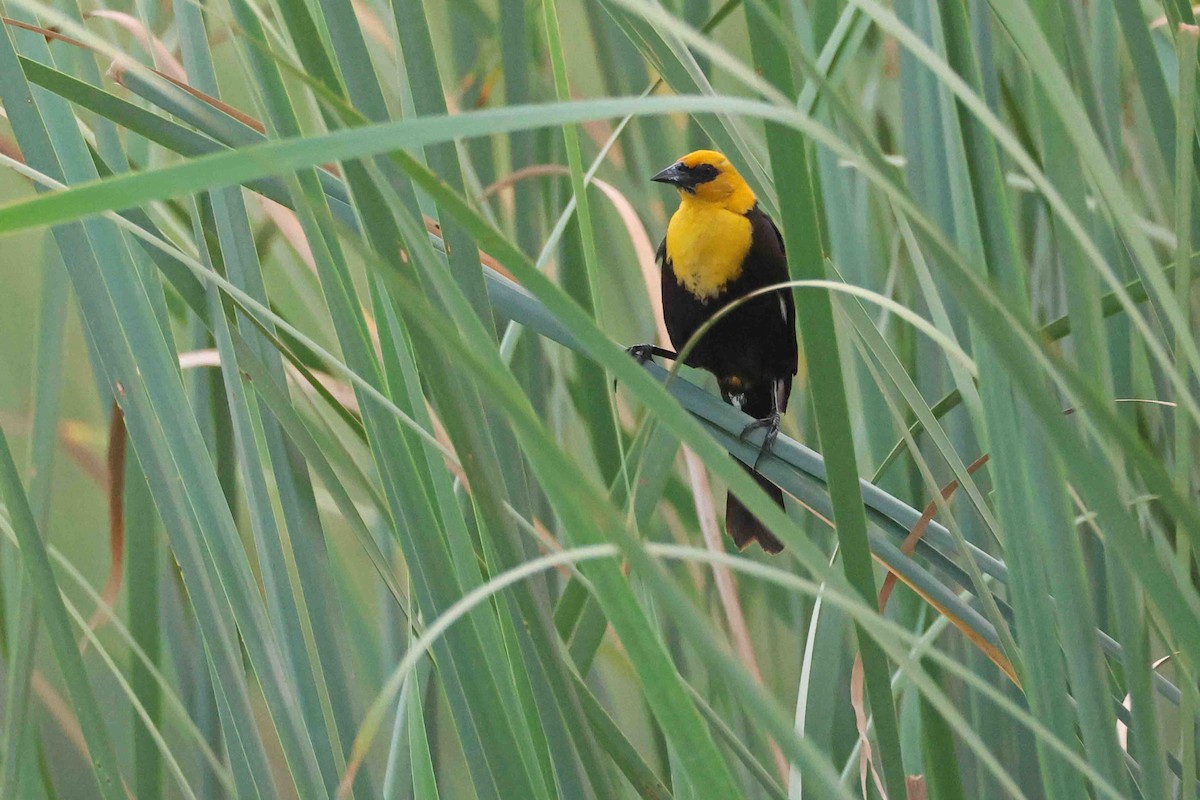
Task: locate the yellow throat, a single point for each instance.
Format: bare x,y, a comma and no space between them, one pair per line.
709,235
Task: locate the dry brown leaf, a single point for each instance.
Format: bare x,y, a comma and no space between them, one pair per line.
60,710
115,464
10,148
164,60
866,761
290,228
114,483
885,594
1161,22
373,26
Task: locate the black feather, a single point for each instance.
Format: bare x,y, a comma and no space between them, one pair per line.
751,350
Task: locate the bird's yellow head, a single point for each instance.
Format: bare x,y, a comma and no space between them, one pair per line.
707,177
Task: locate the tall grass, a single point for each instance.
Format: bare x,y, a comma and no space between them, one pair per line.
316,482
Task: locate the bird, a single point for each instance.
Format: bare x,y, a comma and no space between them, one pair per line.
719,247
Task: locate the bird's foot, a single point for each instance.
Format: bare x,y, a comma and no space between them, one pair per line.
771,423
641,352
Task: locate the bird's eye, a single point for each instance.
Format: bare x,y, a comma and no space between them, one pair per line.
706,172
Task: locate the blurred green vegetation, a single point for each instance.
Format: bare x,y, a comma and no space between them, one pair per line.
372,437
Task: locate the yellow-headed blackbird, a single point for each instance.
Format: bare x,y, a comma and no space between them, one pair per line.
719,247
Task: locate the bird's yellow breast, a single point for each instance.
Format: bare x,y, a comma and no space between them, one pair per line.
707,246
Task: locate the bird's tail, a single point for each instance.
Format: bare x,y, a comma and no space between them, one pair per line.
743,526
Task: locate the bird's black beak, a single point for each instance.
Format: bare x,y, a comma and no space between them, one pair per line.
678,176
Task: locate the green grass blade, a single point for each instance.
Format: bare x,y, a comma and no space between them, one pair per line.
358,475
801,228
54,617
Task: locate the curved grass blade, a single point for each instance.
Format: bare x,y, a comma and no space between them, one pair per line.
54,618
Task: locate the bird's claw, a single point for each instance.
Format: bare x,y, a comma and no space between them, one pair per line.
771,423
641,352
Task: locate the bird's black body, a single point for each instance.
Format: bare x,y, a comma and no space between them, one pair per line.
755,342
751,350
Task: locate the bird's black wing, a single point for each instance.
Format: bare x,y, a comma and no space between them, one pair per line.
768,264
